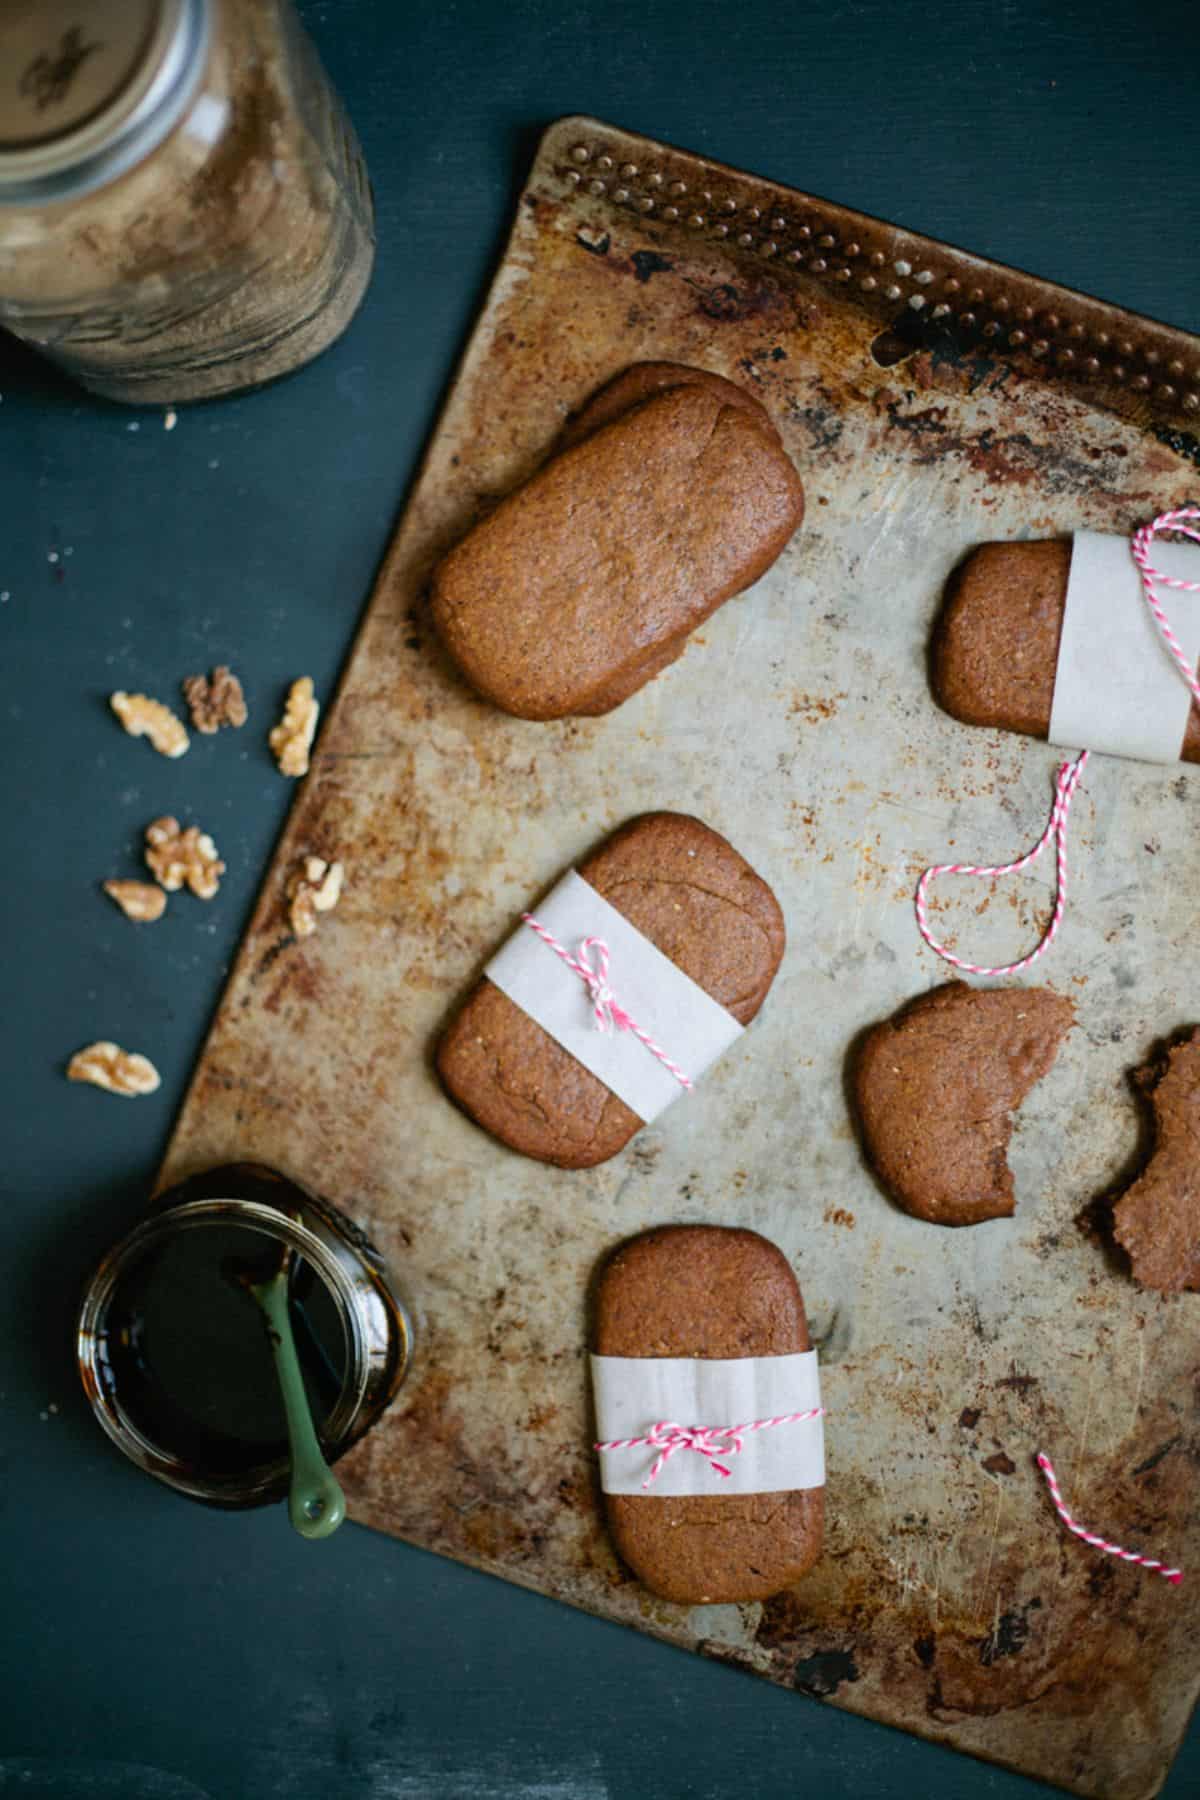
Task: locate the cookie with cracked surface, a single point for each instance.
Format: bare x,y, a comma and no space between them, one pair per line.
687,890
936,1085
995,645
1157,1219
707,1291
672,493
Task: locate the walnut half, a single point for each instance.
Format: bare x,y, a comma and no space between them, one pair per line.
292,738
118,1071
316,887
139,900
216,701
177,857
143,717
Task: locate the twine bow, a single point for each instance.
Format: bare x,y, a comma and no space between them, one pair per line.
706,1440
610,1014
709,1441
607,1010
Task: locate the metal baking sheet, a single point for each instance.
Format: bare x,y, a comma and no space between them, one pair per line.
930,401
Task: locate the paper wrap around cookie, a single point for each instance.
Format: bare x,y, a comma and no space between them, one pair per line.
633,1393
1117,687
691,1026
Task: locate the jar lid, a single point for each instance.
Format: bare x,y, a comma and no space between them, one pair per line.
88,91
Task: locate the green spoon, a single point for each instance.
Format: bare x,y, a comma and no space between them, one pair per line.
316,1503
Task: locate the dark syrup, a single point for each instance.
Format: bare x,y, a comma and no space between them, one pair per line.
187,1352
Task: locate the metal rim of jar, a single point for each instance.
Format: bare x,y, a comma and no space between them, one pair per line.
358,1303
133,124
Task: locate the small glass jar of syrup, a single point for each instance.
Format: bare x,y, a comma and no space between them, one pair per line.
174,1356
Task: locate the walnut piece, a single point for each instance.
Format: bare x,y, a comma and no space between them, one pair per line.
177,857
143,717
215,702
140,900
292,738
316,887
327,880
302,914
118,1071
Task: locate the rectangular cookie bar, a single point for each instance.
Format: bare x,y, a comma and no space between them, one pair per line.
995,646
673,492
690,893
708,1291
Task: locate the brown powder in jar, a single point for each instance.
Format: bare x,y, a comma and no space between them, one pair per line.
236,251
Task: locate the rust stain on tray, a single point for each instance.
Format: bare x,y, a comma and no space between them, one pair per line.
930,401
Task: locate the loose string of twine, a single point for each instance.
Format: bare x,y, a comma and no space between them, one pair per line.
1066,782
1182,520
1151,1563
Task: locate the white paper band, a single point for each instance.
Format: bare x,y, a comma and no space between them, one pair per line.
632,1393
1117,687
689,1024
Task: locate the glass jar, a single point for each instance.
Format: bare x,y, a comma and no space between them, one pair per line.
184,209
173,1353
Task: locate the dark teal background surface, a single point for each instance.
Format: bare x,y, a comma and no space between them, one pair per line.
151,1650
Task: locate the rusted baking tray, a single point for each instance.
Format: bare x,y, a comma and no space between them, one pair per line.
931,400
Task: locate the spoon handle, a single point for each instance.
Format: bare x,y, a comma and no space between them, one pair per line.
316,1503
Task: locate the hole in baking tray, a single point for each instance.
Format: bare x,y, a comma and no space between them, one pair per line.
890,348
910,332
900,340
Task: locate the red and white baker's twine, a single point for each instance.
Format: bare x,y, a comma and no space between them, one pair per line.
712,1441
1181,521
1067,779
1174,1576
609,1014
709,1441
1065,784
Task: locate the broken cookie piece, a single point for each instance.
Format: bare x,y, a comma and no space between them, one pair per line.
935,1088
1157,1220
